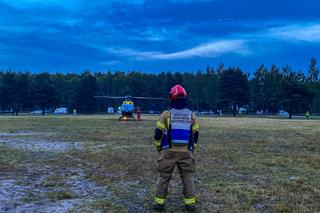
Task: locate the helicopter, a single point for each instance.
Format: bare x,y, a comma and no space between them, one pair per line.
127,106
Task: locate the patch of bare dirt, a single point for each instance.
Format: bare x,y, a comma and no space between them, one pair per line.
44,186
33,194
17,141
40,145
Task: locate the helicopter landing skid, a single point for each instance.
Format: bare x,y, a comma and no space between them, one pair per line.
125,118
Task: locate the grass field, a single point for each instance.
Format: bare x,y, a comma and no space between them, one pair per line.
97,164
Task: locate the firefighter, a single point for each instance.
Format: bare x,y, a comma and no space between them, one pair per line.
138,114
176,137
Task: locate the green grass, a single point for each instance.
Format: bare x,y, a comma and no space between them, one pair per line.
59,195
244,164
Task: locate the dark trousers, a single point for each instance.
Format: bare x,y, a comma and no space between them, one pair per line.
165,166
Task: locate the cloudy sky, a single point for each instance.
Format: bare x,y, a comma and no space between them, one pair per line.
157,35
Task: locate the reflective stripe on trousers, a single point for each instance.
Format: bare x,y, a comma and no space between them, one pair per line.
189,201
159,200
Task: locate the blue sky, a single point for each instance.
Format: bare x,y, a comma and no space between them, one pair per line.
155,36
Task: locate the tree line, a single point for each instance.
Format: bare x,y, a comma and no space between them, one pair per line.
267,90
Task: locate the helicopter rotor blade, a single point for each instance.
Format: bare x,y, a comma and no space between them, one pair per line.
148,98
124,97
109,97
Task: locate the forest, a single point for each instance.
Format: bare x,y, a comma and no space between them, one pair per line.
266,90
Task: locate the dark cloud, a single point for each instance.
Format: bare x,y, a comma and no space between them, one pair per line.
78,34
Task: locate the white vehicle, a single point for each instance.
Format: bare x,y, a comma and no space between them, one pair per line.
61,110
207,112
110,110
36,112
242,110
283,113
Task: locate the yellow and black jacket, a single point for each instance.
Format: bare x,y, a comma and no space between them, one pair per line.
163,131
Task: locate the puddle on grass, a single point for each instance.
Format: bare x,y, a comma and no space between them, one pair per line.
32,191
20,133
41,145
25,133
28,192
57,207
16,140
33,197
10,191
113,146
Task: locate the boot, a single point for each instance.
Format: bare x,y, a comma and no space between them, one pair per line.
191,208
158,207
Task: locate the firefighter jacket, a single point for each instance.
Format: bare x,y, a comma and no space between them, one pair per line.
177,130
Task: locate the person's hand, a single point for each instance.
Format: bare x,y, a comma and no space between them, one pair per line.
159,150
195,146
158,145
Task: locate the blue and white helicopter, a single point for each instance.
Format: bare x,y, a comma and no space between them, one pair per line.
127,106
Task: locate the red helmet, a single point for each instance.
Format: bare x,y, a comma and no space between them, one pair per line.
177,92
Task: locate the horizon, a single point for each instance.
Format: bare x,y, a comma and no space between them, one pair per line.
154,37
250,72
